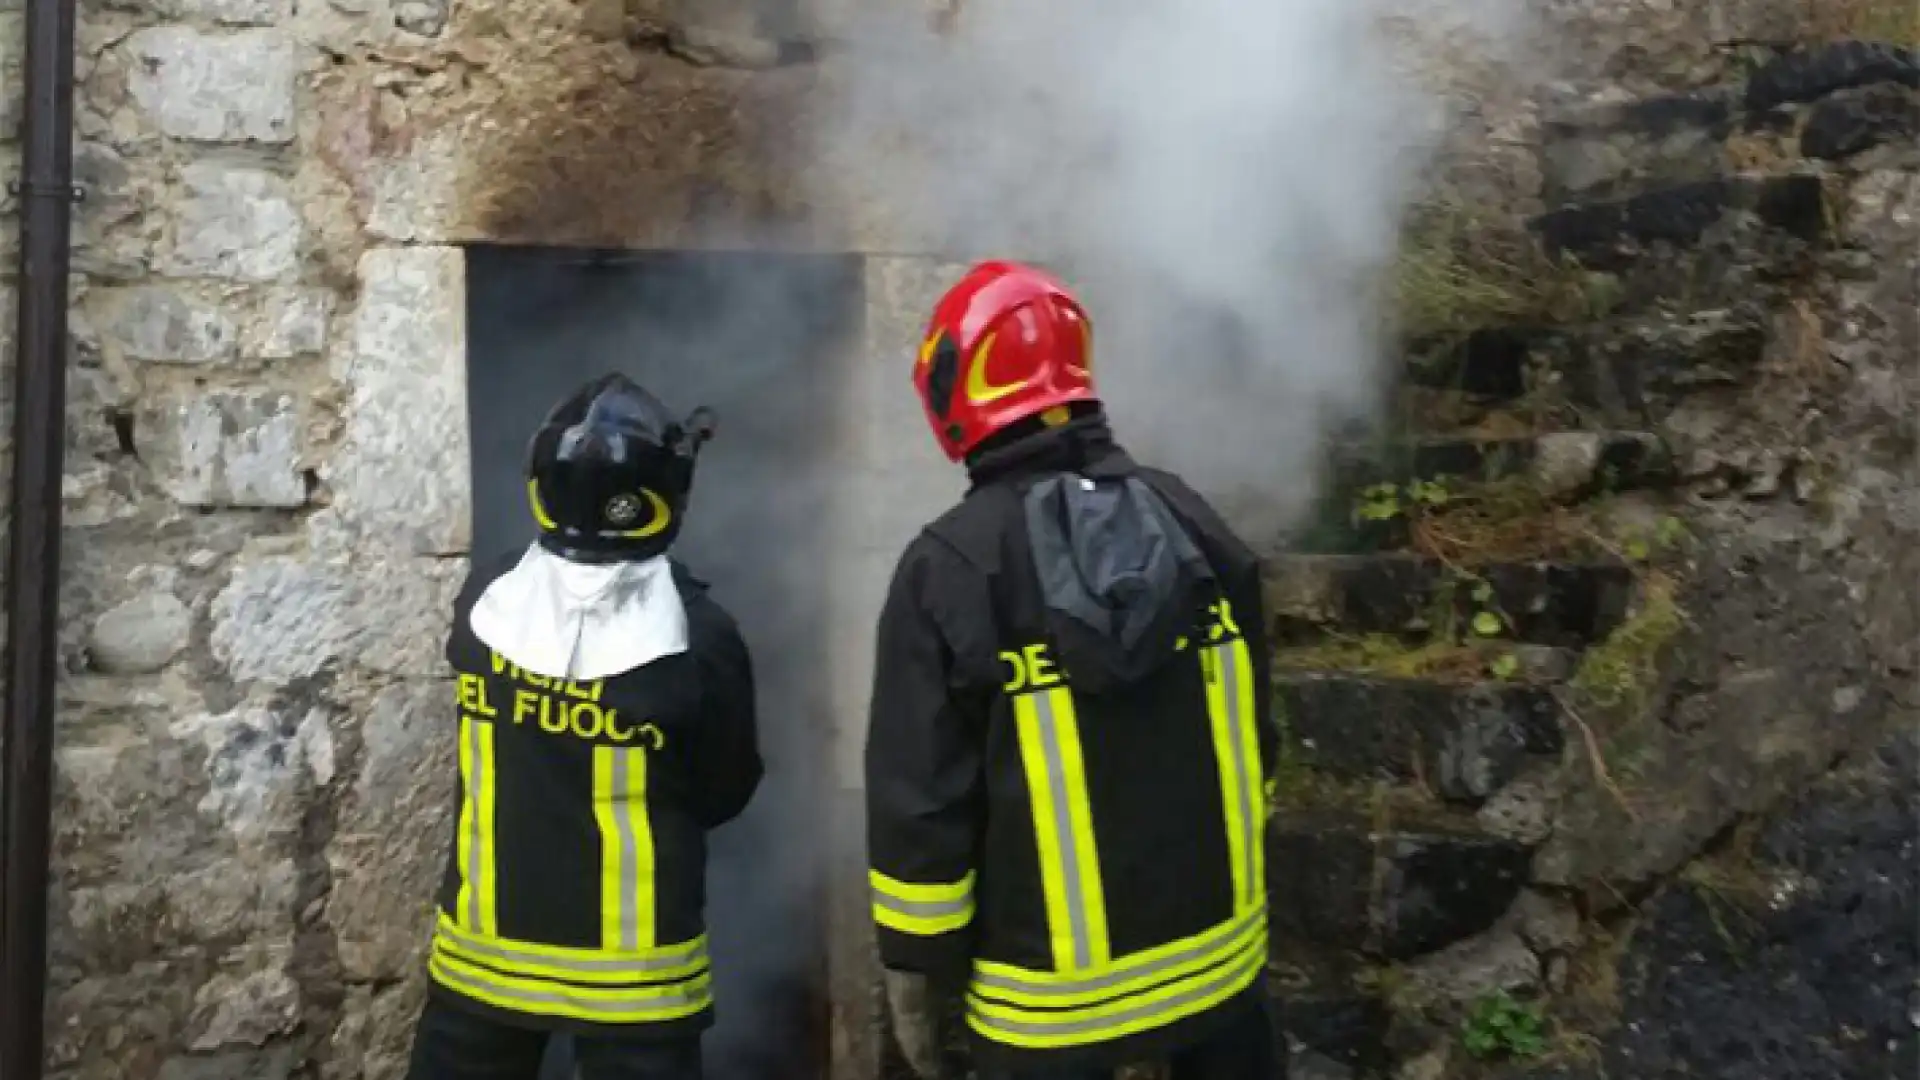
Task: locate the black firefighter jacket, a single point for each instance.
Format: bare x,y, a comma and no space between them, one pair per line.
574,891
1067,758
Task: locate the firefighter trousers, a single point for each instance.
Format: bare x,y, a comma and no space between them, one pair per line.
452,1044
1242,1050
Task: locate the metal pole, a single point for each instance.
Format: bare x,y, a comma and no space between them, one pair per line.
33,558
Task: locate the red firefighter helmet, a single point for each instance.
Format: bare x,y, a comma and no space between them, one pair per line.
1006,343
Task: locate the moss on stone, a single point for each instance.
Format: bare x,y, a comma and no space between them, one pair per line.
1620,673
1461,268
1389,657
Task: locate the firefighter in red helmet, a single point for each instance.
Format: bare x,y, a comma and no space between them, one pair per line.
1067,754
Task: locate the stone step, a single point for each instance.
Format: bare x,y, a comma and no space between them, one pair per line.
1826,102
1566,463
1620,369
1808,75
1333,1006
1621,234
1541,603
1373,492
1463,742
1340,882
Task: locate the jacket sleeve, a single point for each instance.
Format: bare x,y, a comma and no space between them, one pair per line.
924,788
727,765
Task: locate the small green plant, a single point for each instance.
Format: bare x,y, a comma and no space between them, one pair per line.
1378,502
1487,621
1667,536
1671,534
1501,1027
1386,501
1505,667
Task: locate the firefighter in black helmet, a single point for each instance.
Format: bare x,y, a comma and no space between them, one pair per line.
1068,747
606,723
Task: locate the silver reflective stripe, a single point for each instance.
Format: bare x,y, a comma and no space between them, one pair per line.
476,830
629,852
637,1007
1071,857
1221,981
1248,835
694,952
1232,941
922,909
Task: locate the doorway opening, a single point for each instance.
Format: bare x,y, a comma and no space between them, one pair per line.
754,336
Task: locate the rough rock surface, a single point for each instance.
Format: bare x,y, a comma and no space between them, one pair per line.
1809,976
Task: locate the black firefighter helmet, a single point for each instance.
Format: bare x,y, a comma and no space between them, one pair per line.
609,472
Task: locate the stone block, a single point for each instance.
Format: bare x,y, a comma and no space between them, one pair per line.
1471,970
280,619
165,324
1559,604
389,845
1811,74
1347,1029
1849,124
1340,884
216,87
1607,151
1468,741
260,766
232,12
225,448
12,98
234,222
274,1061
283,618
375,1033
292,321
1612,236
109,240
141,635
248,1007
400,478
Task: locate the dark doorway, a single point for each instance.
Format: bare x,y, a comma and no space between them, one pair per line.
752,336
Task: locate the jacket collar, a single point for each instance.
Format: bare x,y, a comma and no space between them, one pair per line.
1081,444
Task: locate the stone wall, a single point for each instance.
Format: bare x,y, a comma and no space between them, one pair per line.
267,506
1584,745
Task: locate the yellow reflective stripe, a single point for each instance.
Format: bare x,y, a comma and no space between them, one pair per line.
545,997
535,960
1229,685
1176,1000
918,893
1256,781
626,848
921,909
475,907
1063,829
1131,973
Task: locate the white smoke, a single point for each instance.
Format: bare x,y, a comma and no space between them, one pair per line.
1224,180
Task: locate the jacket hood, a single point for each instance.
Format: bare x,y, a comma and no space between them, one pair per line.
1121,580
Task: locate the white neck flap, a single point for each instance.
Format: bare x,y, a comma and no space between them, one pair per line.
569,620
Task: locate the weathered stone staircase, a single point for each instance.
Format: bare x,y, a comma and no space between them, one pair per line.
1496,563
